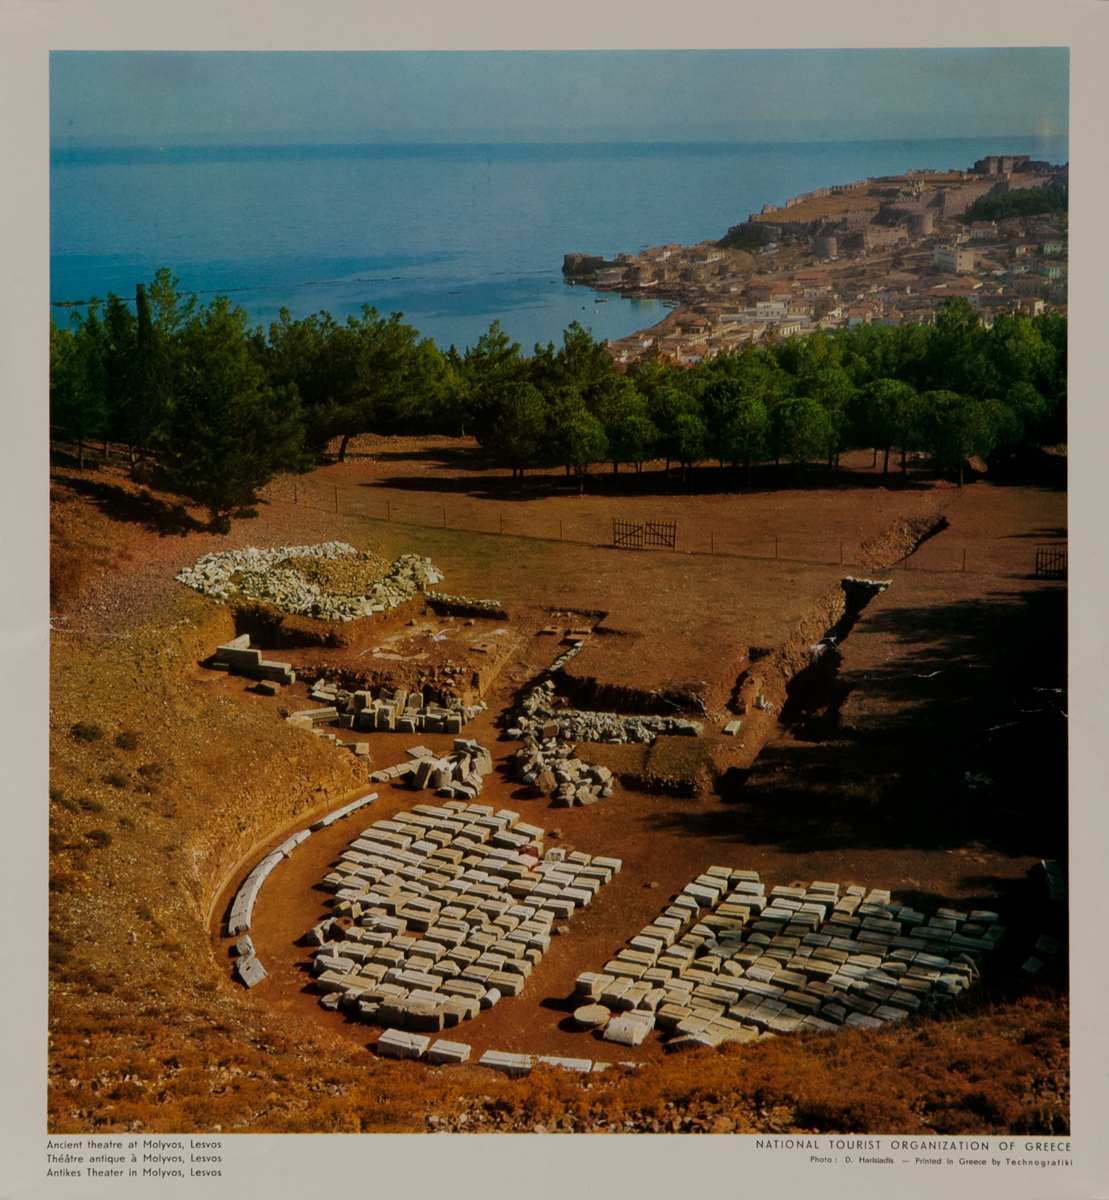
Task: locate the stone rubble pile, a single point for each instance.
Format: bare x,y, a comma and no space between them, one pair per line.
453,907
550,769
802,958
537,716
393,709
455,776
465,601
247,967
273,576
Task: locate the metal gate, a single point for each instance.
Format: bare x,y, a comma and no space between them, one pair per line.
642,535
1051,563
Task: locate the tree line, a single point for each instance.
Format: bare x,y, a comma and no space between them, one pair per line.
1021,202
219,407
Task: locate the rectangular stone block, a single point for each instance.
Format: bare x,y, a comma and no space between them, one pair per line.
238,656
515,1065
396,1043
443,1051
250,971
626,1031
581,1065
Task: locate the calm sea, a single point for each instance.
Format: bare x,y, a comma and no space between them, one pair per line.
453,236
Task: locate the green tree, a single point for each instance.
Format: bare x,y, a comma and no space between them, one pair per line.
481,377
957,356
229,430
1052,384
152,377
736,420
628,429
957,428
370,374
383,368
580,362
801,430
119,355
1029,408
575,437
78,404
1018,351
518,435
652,374
832,389
885,414
682,434
170,309
873,352
745,435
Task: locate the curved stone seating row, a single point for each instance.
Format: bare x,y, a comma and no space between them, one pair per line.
249,970
800,959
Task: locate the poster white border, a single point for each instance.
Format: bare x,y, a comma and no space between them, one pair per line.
280,1166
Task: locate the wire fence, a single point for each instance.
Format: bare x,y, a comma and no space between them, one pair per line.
476,517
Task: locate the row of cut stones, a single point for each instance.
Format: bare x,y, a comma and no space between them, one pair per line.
397,1043
247,966
454,908
804,958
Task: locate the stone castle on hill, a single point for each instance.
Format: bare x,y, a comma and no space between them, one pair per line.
880,250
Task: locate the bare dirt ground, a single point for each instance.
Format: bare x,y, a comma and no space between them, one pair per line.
857,777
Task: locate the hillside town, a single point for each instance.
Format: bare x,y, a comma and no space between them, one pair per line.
879,251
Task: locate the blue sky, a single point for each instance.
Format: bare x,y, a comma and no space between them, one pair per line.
736,96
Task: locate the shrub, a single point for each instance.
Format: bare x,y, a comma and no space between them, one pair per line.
127,823
115,779
100,838
128,739
59,797
92,806
151,770
87,731
145,472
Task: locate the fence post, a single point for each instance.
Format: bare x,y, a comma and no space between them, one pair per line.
295,492
444,516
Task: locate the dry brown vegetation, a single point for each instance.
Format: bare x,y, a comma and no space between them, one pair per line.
1002,1069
